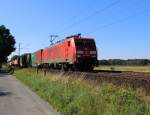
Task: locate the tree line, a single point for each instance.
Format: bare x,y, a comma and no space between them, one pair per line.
134,62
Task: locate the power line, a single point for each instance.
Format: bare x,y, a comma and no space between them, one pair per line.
120,20
114,3
91,15
74,18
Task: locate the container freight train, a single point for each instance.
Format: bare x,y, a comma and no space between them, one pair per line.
74,52
21,61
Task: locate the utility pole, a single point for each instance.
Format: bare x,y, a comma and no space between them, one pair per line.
52,38
19,48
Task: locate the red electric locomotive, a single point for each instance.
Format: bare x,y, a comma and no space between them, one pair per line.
74,52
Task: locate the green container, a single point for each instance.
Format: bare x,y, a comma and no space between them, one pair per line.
33,59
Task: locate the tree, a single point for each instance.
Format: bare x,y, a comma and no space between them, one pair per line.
7,43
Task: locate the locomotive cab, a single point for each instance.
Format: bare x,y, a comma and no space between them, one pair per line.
83,52
86,53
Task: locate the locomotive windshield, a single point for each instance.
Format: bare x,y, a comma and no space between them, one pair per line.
84,42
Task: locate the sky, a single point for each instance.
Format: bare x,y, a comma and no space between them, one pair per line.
121,27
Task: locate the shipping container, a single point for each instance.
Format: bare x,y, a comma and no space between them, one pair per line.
33,59
39,57
25,60
14,61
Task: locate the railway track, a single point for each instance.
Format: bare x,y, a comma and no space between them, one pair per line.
125,78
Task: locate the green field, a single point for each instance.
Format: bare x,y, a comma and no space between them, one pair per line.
78,97
125,68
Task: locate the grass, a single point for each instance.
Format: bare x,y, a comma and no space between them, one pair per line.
125,68
71,96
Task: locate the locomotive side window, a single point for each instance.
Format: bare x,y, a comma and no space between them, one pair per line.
68,43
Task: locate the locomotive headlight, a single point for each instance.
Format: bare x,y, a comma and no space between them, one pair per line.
80,52
92,52
78,56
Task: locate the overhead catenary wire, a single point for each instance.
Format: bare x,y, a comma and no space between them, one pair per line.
94,13
73,18
90,16
120,20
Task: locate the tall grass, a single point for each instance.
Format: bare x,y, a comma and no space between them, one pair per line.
78,97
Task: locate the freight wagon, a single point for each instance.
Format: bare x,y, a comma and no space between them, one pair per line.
25,60
14,61
36,58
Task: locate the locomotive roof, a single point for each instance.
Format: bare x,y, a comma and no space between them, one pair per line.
67,38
